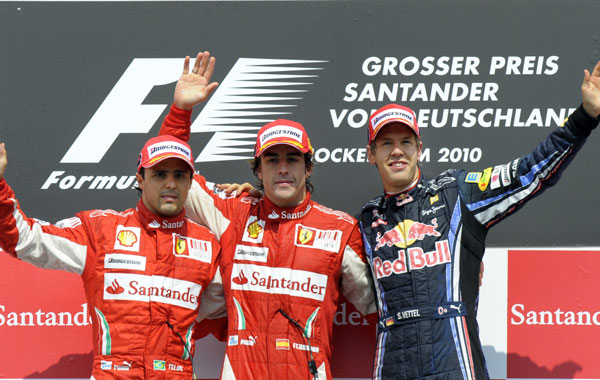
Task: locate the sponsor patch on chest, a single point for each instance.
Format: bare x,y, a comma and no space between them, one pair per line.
127,238
137,287
327,240
251,253
412,259
254,230
195,249
124,261
264,279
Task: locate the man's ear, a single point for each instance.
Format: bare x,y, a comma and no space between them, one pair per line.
140,181
370,155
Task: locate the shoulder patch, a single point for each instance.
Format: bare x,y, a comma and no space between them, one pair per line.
485,179
340,214
473,177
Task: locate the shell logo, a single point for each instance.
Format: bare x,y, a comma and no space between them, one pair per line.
127,238
254,229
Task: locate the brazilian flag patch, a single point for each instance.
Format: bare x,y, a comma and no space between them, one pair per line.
160,365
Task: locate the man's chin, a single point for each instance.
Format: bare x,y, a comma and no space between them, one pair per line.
169,211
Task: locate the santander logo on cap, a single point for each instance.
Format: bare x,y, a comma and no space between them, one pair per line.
392,113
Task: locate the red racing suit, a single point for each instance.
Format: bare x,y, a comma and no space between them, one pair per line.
143,277
277,261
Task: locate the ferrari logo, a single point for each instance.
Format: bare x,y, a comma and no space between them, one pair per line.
180,245
305,235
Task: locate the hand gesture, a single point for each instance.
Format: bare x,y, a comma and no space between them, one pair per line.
3,160
590,91
195,87
239,189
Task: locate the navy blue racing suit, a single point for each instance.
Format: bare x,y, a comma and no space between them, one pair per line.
425,248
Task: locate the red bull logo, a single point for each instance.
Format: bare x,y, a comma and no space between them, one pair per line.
417,259
406,233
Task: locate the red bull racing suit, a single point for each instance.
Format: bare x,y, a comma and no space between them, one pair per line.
425,248
278,263
143,277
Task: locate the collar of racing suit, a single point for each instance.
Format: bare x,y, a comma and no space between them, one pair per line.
152,221
410,187
272,212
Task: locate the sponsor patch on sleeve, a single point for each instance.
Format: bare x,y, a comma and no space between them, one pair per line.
69,223
473,177
485,179
505,175
495,180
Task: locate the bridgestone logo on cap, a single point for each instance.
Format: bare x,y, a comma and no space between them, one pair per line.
168,147
393,114
281,131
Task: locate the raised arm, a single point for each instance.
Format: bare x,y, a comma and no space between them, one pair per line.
192,88
3,160
62,246
195,87
590,91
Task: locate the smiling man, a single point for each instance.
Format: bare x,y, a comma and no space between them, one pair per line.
285,258
425,239
143,269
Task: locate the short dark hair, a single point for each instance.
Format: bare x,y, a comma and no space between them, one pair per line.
308,164
142,172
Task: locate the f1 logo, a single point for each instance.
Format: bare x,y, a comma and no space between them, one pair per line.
253,87
122,111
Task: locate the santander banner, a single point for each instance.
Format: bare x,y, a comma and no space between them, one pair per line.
554,314
539,318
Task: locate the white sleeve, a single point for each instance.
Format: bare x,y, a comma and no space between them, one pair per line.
204,207
212,300
357,282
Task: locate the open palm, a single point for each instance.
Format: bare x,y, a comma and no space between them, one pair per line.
195,87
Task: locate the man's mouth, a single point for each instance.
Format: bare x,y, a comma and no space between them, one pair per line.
397,165
169,197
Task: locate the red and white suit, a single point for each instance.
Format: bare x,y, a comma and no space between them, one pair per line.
274,260
141,272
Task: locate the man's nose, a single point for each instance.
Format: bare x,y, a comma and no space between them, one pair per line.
170,183
283,168
397,151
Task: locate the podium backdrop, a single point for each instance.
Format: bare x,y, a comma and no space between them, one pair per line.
85,84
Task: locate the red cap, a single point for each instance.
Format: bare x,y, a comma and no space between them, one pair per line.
282,131
162,147
392,113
